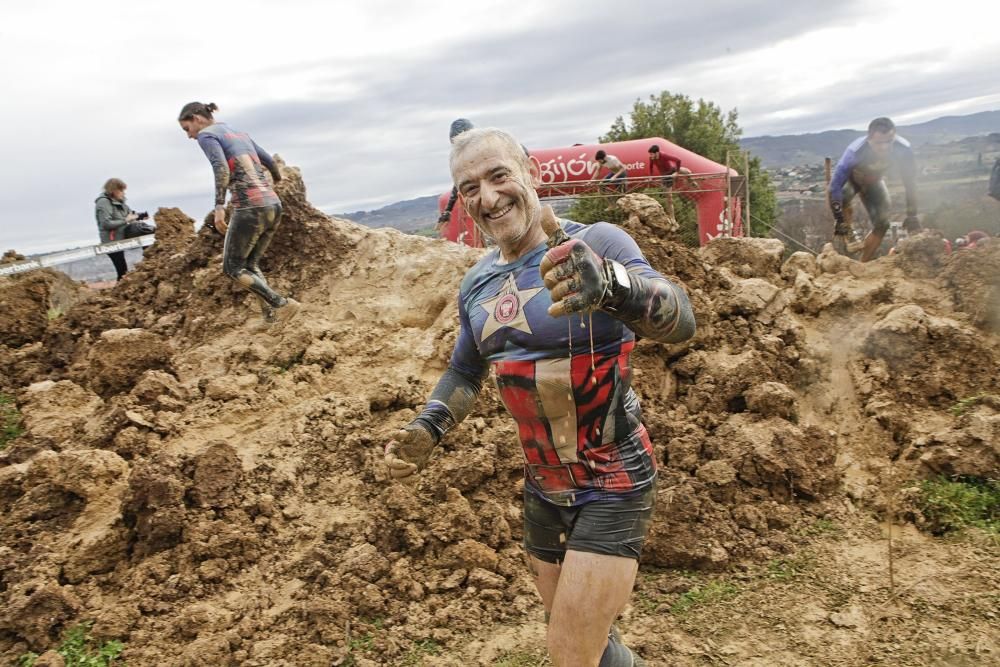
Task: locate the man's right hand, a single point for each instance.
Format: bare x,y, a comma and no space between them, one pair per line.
408,451
445,217
131,217
841,228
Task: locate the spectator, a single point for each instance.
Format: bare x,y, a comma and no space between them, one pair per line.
113,215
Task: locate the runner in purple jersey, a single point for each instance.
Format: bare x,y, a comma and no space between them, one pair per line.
238,165
590,474
861,171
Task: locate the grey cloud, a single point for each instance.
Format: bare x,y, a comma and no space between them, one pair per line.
561,81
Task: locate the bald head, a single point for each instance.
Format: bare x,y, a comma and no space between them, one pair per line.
503,141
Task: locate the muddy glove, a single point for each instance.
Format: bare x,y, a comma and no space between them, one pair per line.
911,223
408,451
575,277
841,228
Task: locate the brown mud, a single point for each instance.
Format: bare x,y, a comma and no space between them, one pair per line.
210,491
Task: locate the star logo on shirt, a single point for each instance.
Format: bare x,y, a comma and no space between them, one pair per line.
506,309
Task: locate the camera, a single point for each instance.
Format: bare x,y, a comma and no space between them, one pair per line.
142,216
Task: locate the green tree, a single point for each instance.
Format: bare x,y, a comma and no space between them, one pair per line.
701,127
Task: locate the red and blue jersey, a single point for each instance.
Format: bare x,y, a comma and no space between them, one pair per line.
566,381
238,164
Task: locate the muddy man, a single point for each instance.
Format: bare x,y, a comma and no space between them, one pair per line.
861,170
557,323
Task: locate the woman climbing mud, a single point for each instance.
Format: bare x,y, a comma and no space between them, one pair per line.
238,164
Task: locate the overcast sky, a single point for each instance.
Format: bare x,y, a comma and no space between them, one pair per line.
360,95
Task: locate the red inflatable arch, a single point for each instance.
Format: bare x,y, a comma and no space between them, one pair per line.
571,171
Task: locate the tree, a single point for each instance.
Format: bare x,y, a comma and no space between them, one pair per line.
700,127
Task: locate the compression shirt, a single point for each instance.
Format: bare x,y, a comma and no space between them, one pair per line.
578,419
863,167
237,164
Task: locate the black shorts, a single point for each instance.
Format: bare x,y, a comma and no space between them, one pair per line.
614,527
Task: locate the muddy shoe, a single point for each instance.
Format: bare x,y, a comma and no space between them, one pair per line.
288,311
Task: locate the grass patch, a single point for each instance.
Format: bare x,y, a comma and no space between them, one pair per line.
54,313
362,643
710,593
964,405
523,659
783,569
10,420
420,650
78,649
820,527
952,505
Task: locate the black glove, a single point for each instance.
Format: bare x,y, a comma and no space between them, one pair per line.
841,228
574,276
911,223
445,217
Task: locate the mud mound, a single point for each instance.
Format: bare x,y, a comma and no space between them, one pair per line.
922,255
29,301
970,447
973,279
190,479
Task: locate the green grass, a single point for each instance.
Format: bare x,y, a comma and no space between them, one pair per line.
78,649
820,527
710,593
783,569
420,650
10,420
964,405
362,643
953,505
54,313
523,659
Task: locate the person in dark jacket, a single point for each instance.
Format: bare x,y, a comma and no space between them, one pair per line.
238,164
113,214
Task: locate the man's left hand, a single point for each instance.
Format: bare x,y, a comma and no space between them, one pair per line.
574,276
911,223
220,220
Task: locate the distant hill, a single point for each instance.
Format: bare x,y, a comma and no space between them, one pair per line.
406,216
789,150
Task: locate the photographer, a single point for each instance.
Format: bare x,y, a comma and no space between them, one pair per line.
113,217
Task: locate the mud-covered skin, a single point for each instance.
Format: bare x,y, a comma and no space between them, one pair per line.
654,309
238,164
452,400
580,281
250,233
575,278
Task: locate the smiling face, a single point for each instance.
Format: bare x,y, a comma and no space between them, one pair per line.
497,184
